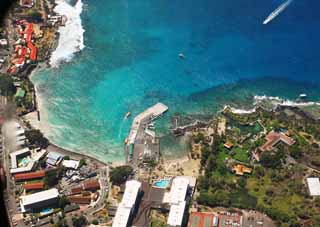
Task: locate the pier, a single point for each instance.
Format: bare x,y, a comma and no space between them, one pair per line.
141,140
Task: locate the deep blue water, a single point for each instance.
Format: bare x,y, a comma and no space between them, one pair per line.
131,61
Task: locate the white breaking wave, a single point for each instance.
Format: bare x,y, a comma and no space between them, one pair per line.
71,38
275,101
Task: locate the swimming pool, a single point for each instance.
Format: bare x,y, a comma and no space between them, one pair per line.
24,162
162,183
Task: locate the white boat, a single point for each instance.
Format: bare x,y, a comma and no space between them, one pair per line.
181,55
277,11
303,96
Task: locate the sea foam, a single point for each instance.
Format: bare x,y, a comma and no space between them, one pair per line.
71,38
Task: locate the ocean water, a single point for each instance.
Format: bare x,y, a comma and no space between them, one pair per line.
127,60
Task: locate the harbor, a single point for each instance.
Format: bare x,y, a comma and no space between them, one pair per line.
142,144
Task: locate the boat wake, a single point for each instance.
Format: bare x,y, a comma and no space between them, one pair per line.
71,38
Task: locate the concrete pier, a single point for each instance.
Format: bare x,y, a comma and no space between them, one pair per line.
141,140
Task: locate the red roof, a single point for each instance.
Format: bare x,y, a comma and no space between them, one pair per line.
273,138
29,176
91,185
34,186
80,199
198,219
33,49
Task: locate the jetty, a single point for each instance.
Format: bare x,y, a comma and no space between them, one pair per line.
141,139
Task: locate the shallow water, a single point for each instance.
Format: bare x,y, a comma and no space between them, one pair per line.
130,61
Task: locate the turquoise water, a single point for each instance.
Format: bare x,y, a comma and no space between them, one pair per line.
131,62
162,183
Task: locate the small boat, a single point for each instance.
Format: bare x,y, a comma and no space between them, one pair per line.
127,115
181,55
303,96
126,141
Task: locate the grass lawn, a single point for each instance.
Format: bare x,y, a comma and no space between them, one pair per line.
241,154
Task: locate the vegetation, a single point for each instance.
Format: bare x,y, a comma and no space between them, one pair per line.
51,178
120,174
35,137
82,162
63,201
80,221
6,86
275,187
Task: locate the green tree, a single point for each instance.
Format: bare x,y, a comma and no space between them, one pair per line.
6,86
79,221
95,222
295,152
120,174
35,137
51,178
63,201
272,159
82,162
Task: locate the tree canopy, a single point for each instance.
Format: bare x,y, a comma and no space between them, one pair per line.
120,174
35,137
6,86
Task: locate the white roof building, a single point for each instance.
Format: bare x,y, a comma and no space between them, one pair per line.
176,214
28,201
122,217
131,193
14,155
70,164
53,158
127,204
314,186
24,169
178,190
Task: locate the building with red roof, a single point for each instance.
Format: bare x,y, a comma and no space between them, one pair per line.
34,186
29,176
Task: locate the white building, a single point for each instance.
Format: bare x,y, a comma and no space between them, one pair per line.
176,214
177,201
314,186
179,190
127,205
54,158
39,200
70,164
17,154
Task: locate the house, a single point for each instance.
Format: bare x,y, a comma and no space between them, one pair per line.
228,145
3,42
29,176
34,186
70,164
80,199
273,138
39,200
54,158
26,3
91,185
241,169
314,186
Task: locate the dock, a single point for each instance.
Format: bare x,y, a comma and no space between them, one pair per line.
141,140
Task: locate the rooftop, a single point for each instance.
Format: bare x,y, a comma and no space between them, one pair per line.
275,137
176,214
122,217
39,196
130,193
29,176
314,186
34,186
179,189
